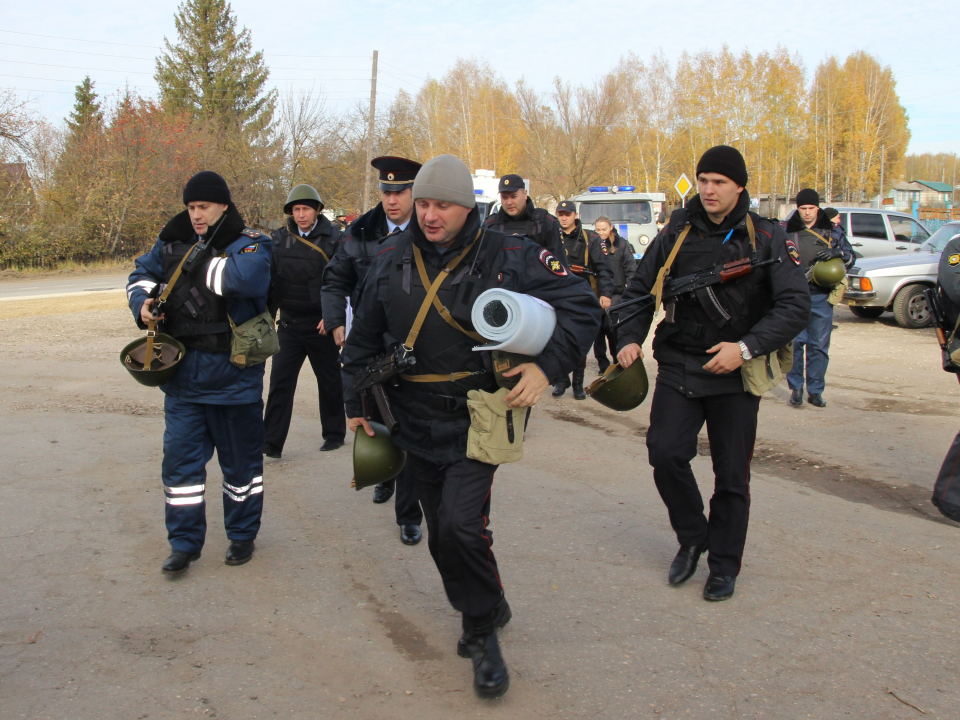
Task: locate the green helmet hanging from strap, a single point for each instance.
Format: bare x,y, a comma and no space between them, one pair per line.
827,273
302,192
375,459
621,389
167,353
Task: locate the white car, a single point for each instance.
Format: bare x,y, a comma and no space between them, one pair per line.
895,283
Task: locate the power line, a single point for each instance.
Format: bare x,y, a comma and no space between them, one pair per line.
100,42
405,72
76,52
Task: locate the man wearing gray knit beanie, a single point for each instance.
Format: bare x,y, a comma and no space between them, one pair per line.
421,288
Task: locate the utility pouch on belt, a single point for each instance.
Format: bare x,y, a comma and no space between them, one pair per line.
836,295
764,373
254,341
496,429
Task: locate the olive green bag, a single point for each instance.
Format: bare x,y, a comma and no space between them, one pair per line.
496,429
762,374
254,341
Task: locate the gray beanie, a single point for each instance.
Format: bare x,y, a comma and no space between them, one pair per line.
446,178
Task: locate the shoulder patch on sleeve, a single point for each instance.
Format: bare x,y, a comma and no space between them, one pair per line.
954,260
250,232
250,248
551,263
793,251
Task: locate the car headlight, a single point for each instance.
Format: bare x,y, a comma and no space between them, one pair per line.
644,239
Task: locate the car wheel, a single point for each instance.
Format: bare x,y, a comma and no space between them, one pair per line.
910,307
868,313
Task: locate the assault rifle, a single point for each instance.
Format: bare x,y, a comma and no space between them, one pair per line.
369,383
581,270
939,317
700,285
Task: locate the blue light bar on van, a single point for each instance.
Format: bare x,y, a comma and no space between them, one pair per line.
626,188
599,188
478,192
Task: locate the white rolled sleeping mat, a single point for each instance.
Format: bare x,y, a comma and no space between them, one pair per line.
518,327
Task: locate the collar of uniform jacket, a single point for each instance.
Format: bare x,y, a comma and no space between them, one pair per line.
573,234
697,214
369,226
527,212
227,228
468,232
796,224
323,227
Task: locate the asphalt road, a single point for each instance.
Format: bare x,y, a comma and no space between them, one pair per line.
847,606
60,285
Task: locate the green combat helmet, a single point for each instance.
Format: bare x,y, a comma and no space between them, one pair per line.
621,389
301,192
340,213
827,273
375,459
505,361
167,353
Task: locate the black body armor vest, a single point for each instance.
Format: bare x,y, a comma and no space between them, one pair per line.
195,316
530,227
299,272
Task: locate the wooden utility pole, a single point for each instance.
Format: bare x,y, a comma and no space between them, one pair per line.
883,159
368,177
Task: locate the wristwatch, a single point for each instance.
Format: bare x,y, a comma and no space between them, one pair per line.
744,351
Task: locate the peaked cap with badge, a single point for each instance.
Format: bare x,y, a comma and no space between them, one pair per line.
511,183
396,173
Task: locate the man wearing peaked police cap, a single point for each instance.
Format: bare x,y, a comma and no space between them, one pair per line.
443,241
301,251
700,346
518,216
586,257
341,283
811,232
210,403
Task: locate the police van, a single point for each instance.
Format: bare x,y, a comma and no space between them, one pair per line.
634,214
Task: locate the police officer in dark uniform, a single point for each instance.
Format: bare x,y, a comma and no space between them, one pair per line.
699,361
342,281
445,241
946,490
621,255
587,257
518,216
210,403
301,251
817,239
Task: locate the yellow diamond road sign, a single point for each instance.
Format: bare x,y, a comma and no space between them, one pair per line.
683,185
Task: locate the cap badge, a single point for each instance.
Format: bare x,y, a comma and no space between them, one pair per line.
954,260
389,176
506,182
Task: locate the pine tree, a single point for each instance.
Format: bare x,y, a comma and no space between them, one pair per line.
211,70
86,112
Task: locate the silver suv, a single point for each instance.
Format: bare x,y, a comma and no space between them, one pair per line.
881,232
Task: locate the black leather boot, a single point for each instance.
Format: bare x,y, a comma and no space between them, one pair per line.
504,616
178,562
816,399
239,552
796,397
684,565
490,676
719,587
384,491
560,388
578,393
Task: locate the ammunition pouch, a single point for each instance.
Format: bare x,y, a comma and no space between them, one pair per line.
254,341
496,429
764,373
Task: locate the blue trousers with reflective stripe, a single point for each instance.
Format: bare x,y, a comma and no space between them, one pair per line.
193,431
815,339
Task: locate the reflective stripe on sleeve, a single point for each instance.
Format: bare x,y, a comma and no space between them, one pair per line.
147,285
215,275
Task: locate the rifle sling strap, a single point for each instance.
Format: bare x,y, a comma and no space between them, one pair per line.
586,261
315,247
434,287
152,324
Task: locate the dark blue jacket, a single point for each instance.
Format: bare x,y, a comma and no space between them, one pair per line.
239,271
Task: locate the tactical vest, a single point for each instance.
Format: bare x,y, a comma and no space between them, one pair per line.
196,316
810,243
299,272
741,298
367,249
580,255
530,227
440,349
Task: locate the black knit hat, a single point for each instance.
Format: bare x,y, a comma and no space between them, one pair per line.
726,161
206,186
831,212
808,196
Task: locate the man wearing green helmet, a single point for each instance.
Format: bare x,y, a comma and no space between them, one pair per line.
821,246
301,251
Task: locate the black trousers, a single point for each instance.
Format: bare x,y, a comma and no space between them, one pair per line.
675,421
300,340
605,335
406,498
456,504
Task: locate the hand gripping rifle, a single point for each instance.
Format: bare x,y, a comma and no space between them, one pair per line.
369,383
699,284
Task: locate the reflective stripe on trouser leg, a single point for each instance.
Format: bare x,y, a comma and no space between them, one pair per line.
187,448
237,432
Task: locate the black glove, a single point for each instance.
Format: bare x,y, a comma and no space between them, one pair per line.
829,254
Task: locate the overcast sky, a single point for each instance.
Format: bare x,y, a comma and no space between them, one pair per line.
537,40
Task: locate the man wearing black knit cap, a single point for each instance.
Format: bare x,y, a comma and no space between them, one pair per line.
217,272
813,233
700,347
